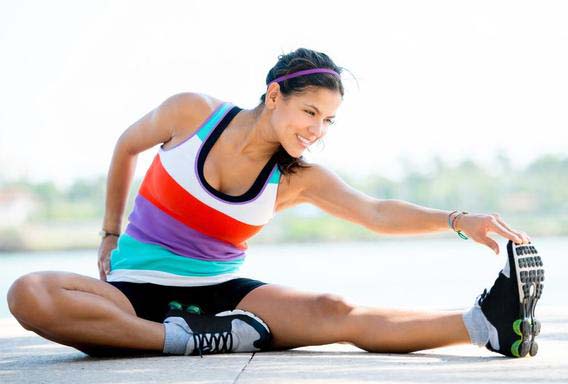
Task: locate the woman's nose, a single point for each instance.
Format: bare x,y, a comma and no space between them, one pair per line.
317,129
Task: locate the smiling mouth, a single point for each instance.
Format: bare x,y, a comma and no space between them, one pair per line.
304,142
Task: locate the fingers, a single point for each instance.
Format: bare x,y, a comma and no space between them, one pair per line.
495,223
102,275
520,234
527,237
99,268
497,227
103,267
492,244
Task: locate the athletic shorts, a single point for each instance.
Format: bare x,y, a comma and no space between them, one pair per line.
151,301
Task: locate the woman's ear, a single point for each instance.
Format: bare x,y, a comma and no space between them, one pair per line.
272,94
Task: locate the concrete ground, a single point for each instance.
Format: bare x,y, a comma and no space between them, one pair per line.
28,358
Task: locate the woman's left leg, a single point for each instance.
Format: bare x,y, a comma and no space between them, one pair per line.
298,318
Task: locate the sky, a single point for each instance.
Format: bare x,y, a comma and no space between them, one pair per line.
451,79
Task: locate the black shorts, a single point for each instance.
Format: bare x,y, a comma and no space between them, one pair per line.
151,301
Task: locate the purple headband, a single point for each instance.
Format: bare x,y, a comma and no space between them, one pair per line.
305,72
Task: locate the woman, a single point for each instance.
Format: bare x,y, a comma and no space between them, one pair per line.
220,174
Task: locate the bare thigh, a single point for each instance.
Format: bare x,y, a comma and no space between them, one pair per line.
31,293
299,318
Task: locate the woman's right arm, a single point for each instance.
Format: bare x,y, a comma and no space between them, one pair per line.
156,127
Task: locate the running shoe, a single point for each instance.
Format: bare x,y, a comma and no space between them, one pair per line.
229,331
509,306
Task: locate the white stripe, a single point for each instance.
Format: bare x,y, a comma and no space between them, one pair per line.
180,161
164,278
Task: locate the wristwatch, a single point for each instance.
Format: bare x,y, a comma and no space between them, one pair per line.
103,233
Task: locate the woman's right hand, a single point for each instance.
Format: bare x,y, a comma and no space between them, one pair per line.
106,246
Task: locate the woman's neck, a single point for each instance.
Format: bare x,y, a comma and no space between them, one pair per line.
252,135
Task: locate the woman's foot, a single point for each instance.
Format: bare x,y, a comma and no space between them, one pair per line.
229,331
509,305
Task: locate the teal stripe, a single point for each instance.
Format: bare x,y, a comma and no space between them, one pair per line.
208,126
133,254
275,178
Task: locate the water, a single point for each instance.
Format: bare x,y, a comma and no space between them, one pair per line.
404,273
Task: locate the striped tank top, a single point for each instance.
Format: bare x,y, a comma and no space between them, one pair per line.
182,231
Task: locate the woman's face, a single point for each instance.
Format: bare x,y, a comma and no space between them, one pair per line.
302,119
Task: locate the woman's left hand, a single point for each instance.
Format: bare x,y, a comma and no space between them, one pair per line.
476,226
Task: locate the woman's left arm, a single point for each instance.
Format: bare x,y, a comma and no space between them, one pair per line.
325,189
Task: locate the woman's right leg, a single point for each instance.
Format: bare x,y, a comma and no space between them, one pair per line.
81,312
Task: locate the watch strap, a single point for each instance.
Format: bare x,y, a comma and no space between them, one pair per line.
104,233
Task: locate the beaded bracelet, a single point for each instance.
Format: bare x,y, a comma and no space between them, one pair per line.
450,215
459,232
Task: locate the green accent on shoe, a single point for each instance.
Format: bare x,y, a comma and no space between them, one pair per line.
517,327
174,305
515,348
193,309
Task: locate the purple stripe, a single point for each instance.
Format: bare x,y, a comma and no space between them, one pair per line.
149,224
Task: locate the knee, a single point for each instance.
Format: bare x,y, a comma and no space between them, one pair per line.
27,299
329,305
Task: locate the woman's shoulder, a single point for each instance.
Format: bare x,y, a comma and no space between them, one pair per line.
194,106
190,110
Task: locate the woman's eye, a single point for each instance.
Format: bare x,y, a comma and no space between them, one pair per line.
313,114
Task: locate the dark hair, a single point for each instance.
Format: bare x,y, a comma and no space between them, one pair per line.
300,59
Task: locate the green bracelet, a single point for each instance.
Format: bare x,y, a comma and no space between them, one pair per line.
449,217
459,232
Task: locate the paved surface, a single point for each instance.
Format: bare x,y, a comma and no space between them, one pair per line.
28,358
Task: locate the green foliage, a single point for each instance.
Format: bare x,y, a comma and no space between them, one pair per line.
534,199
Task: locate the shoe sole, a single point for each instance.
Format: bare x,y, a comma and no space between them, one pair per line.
530,275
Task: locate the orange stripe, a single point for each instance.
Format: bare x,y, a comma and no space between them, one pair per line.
163,191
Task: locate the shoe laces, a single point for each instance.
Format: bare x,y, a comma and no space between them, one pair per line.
215,343
481,297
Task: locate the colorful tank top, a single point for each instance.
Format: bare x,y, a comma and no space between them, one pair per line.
182,231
